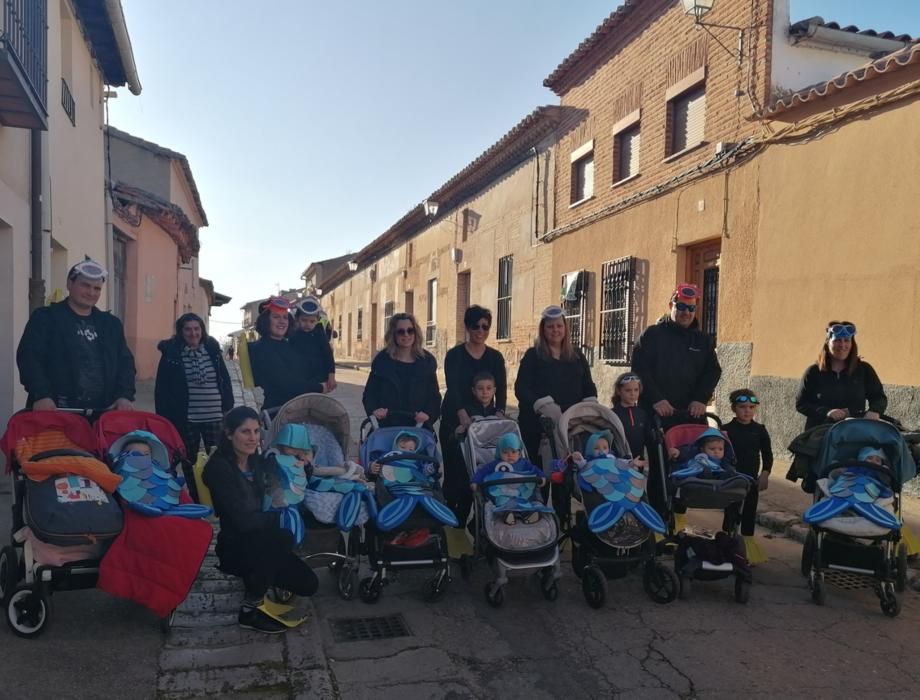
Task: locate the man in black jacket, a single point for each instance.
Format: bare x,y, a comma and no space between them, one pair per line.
72,355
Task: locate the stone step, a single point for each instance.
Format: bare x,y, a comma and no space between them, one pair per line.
221,681
267,650
223,636
213,619
228,585
197,602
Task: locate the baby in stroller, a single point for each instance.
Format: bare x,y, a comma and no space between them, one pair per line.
707,462
514,499
288,463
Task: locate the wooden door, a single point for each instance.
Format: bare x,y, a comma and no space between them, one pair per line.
463,303
703,271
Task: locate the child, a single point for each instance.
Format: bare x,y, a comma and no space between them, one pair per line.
404,442
287,465
482,398
707,462
754,457
598,446
626,391
140,448
516,500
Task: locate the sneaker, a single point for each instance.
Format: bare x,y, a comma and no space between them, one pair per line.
260,621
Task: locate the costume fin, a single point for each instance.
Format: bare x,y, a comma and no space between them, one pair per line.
649,517
394,513
877,515
605,516
349,508
439,511
825,509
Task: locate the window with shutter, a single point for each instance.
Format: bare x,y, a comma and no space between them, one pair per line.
688,119
627,155
583,178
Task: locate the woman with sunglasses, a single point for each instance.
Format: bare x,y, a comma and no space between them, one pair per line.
461,364
277,365
402,388
840,384
553,376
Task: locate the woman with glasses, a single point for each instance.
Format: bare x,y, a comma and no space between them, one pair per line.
461,364
277,365
840,384
402,388
553,376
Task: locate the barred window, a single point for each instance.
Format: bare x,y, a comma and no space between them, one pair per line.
505,268
431,325
389,309
359,330
618,286
573,298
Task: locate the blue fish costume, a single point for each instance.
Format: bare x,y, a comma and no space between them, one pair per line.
703,466
512,498
409,484
147,486
352,492
622,487
855,489
287,480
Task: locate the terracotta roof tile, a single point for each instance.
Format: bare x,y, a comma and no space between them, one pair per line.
802,26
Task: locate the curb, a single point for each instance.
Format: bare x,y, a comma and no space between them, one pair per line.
355,366
786,524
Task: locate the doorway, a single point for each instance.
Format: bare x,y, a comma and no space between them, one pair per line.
373,329
348,338
703,271
463,303
410,303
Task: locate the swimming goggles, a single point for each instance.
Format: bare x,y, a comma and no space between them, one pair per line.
89,269
275,304
841,330
309,307
746,399
628,378
552,312
681,306
687,291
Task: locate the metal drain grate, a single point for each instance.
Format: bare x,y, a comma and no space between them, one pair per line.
360,629
848,581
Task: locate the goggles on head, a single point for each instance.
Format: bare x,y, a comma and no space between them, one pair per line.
686,291
309,307
89,269
275,304
841,330
552,312
744,398
628,378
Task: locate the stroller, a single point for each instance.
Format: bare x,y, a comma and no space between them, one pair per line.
62,524
335,501
861,540
609,547
703,556
414,508
520,548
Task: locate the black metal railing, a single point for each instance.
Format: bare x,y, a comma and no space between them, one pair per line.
505,269
24,30
710,320
68,103
618,281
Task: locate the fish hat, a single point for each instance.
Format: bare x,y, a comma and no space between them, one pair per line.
508,441
402,435
592,441
295,436
709,433
158,450
867,452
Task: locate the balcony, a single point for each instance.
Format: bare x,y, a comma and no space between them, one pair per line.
24,64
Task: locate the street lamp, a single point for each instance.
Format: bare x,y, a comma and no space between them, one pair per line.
431,208
352,266
697,8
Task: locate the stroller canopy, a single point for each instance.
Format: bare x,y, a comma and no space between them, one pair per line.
482,438
112,425
312,409
582,419
845,439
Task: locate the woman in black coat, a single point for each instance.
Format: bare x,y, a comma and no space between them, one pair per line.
403,378
553,376
840,384
193,388
461,364
251,543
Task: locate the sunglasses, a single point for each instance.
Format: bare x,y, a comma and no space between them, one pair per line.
89,269
629,378
841,330
480,327
747,399
552,312
405,331
681,306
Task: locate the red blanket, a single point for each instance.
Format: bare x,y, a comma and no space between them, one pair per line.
155,560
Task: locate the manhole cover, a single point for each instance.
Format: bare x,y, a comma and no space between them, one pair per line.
360,629
848,581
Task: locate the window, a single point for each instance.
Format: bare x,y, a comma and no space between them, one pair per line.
626,153
573,301
618,282
503,332
431,327
583,178
359,329
389,308
687,119
340,326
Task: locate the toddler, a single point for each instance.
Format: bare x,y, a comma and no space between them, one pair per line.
514,501
598,446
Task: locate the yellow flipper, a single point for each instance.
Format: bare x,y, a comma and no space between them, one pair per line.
680,521
910,539
458,543
753,551
290,623
204,493
245,365
276,609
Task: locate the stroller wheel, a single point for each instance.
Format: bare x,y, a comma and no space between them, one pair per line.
900,573
594,586
686,587
27,612
578,559
818,589
660,583
436,587
279,595
742,590
347,581
9,572
495,598
370,589
889,602
166,623
808,552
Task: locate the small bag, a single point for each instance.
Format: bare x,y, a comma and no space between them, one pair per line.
70,510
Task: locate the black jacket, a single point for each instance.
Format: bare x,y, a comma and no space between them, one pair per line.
171,391
279,368
677,364
237,500
751,442
385,388
48,360
819,392
637,427
459,370
567,382
316,351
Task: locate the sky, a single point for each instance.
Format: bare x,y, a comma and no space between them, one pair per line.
311,127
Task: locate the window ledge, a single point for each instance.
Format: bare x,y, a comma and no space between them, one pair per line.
503,340
688,149
580,202
620,183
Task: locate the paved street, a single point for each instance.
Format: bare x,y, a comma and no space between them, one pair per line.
779,645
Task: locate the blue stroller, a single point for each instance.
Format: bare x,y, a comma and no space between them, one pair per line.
855,535
409,500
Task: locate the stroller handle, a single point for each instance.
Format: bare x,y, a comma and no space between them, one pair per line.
407,457
514,480
684,413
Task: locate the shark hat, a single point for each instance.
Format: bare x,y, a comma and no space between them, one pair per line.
592,441
295,436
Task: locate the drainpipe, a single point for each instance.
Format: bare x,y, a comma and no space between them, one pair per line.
123,41
36,280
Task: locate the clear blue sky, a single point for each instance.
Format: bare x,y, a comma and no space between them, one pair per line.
312,126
